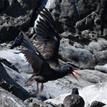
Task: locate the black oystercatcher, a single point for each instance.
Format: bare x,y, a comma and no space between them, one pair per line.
46,37
42,71
74,100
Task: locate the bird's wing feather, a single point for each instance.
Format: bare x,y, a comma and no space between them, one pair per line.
35,60
45,26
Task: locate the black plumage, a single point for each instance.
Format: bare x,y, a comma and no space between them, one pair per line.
42,72
74,100
47,39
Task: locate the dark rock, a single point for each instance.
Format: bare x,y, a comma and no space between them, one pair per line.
16,15
81,57
68,12
10,26
97,45
103,12
97,104
9,100
101,57
90,93
90,22
33,102
16,8
3,5
51,88
9,84
102,68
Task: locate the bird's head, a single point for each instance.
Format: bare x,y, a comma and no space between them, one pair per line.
18,41
71,69
75,91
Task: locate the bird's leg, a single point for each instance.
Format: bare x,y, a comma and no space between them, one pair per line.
40,79
42,86
37,87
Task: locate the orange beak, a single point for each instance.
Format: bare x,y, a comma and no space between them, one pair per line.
76,73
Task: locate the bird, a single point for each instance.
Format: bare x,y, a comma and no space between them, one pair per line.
74,100
97,104
42,72
46,37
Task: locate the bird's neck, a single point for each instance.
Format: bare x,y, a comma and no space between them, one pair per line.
60,73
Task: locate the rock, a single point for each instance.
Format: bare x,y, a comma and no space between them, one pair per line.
66,34
101,57
97,45
17,58
103,12
10,26
33,102
52,89
97,104
9,100
16,15
102,68
16,8
95,92
90,22
81,57
3,5
10,84
66,12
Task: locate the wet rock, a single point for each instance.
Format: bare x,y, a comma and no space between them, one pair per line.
90,93
97,45
16,8
52,89
10,26
103,12
17,58
16,15
81,57
3,5
101,57
9,100
95,93
97,104
87,77
90,22
68,12
33,102
102,68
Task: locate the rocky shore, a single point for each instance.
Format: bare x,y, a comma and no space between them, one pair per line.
85,48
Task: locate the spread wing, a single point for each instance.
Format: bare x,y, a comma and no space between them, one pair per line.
45,25
36,61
